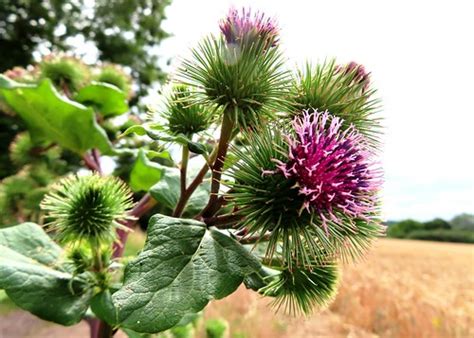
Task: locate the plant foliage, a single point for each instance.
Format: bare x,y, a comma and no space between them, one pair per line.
244,175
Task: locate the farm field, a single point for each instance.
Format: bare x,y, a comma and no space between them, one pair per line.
403,289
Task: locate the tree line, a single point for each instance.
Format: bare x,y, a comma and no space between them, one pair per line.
459,229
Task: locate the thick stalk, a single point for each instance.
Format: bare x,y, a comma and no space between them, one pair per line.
226,136
183,168
178,211
105,330
100,329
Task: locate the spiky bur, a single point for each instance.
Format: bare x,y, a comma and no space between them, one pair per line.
344,91
67,73
303,290
182,115
116,76
87,208
315,188
268,202
239,72
23,151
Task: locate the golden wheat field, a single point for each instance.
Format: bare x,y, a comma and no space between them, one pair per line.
403,289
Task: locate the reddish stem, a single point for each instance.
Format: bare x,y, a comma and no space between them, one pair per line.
178,211
254,239
142,207
223,221
90,162
96,156
226,136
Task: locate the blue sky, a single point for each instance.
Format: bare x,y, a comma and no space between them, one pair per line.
421,57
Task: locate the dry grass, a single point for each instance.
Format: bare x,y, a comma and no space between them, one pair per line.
403,289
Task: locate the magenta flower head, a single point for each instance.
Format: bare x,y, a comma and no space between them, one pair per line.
310,187
333,169
360,75
244,28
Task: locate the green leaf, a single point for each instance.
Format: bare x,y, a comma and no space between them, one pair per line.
29,239
167,191
104,308
3,296
145,173
133,334
197,148
50,116
136,129
108,99
162,154
33,279
181,268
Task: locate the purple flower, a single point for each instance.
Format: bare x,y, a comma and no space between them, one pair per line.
244,27
360,74
333,169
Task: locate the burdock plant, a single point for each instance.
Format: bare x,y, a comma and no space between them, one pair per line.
286,192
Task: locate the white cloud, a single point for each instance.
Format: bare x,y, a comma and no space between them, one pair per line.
422,61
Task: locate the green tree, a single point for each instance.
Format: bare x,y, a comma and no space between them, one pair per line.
437,223
124,32
403,228
463,221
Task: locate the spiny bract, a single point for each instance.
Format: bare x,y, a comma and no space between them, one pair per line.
87,207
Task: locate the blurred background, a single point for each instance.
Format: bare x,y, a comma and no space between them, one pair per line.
419,282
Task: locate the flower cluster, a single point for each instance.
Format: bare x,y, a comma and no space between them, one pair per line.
332,167
247,28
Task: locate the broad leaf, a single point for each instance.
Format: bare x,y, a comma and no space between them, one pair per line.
135,129
53,117
181,268
32,278
106,98
104,308
145,173
167,190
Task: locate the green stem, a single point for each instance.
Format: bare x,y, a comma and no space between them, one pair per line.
96,256
226,136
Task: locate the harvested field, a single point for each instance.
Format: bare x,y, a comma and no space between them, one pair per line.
403,289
